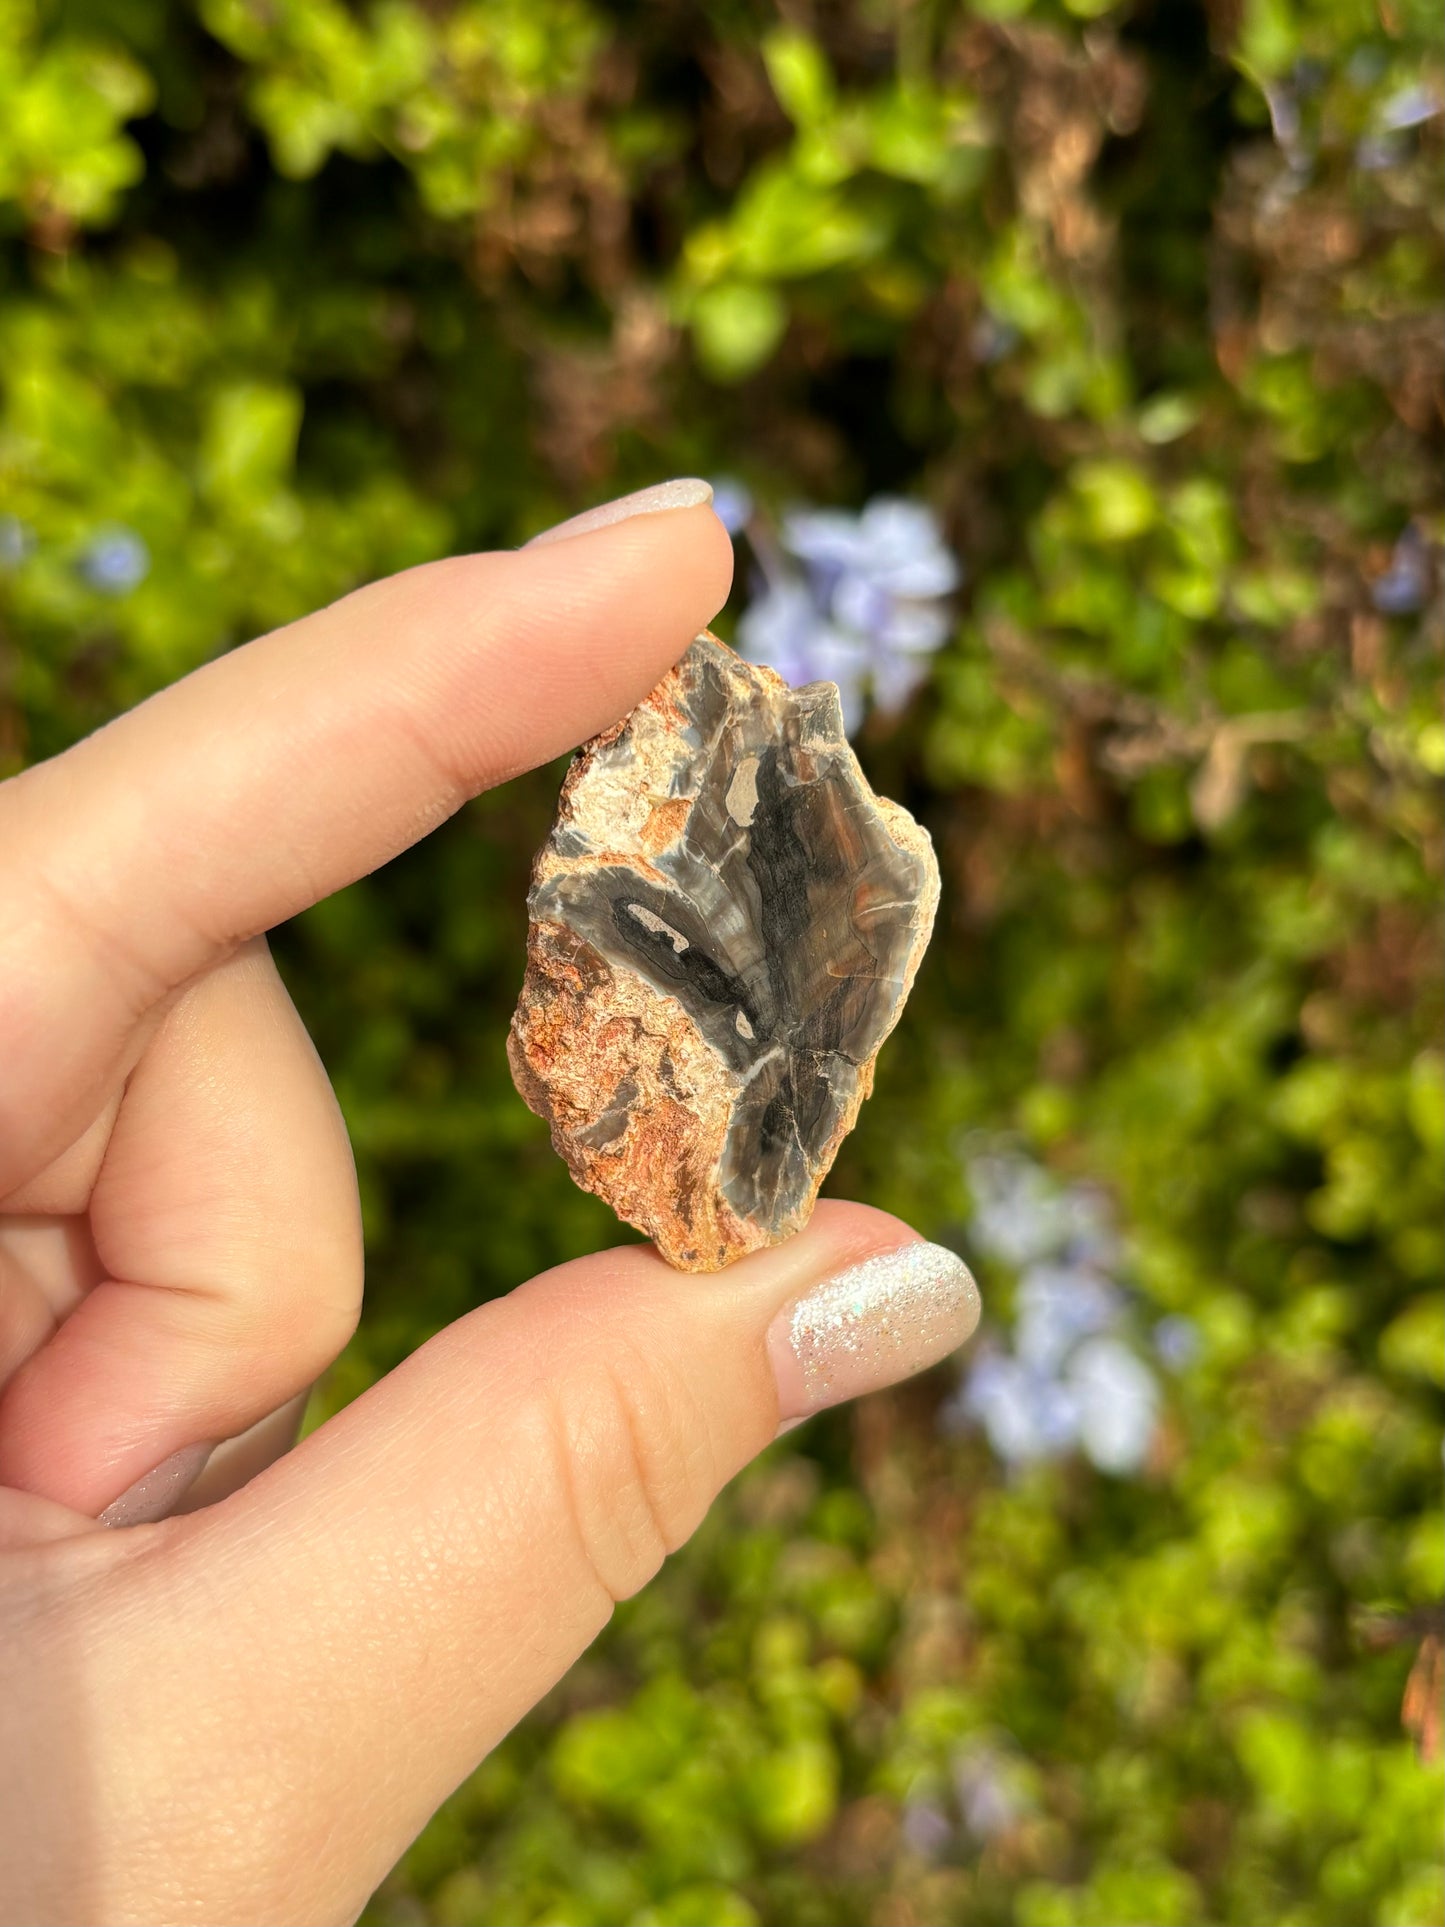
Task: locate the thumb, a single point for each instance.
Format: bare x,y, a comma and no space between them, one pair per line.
423,1568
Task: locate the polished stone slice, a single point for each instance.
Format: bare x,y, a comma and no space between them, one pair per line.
725,923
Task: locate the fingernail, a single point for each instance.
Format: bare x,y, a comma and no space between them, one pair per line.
871,1326
687,493
162,1488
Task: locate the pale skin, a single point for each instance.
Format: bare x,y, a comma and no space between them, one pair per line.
245,1713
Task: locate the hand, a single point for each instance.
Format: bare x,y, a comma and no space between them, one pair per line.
246,1713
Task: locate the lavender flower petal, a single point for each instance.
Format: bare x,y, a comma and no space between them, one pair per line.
115,561
1117,1401
1057,1306
732,503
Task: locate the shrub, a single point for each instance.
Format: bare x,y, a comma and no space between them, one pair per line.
1143,301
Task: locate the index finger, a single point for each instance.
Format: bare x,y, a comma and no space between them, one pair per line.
288,768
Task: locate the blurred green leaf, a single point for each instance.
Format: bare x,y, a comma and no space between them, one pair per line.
799,71
1414,1343
1117,500
248,440
793,1793
737,325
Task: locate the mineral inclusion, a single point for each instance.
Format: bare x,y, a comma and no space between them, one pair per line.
725,924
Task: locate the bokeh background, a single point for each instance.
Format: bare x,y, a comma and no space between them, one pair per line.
1075,370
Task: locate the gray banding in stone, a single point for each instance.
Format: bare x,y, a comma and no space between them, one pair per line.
783,916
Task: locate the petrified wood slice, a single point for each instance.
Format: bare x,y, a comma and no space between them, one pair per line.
725,923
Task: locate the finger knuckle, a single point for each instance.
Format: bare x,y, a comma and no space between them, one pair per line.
311,1309
633,1465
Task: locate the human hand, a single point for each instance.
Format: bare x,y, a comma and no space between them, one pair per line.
246,1713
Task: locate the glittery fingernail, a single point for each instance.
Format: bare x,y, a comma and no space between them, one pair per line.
161,1489
873,1325
688,492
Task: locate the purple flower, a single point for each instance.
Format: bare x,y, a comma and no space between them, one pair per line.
1176,1340
1057,1306
16,542
1376,152
115,561
990,339
990,1796
1402,589
732,503
1019,1216
867,610
1284,115
1116,1401
879,570
896,679
1410,107
926,1828
1406,108
1086,1228
1071,1379
785,629
1026,1415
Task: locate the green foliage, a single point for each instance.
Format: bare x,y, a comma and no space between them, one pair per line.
298,294
459,94
63,152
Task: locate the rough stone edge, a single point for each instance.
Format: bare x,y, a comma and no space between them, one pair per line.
572,1043
676,1238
